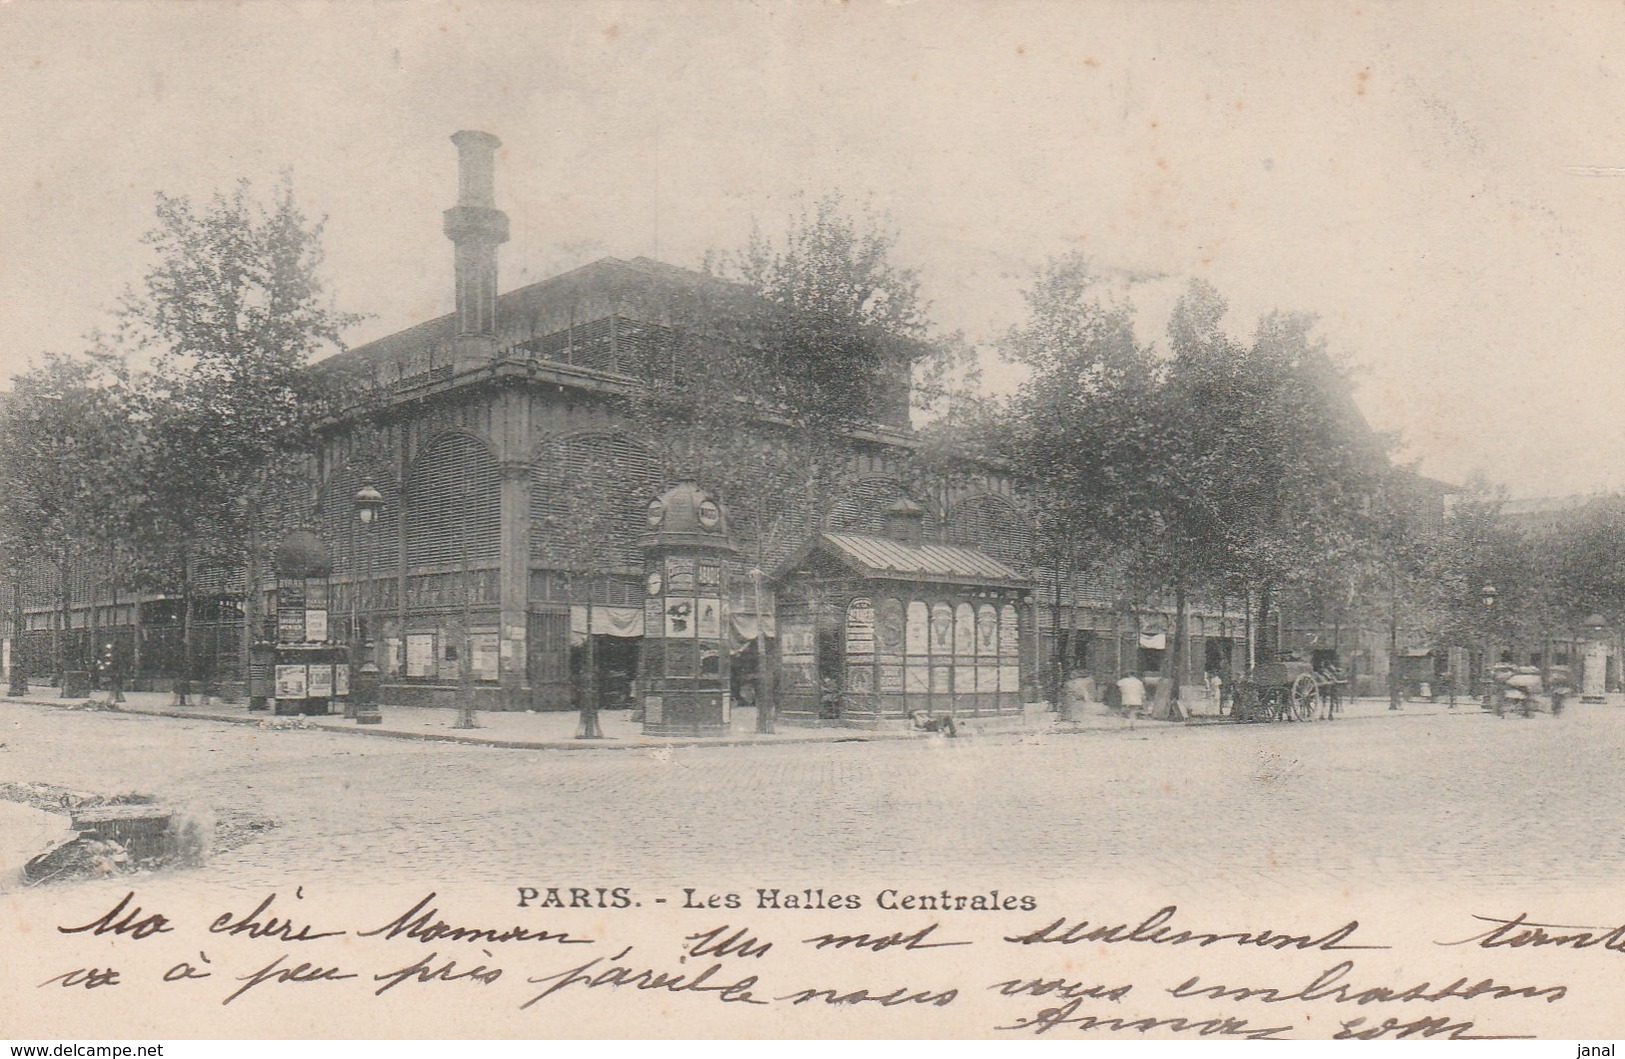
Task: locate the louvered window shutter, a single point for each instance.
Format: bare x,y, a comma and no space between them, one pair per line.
454,493
635,478
993,525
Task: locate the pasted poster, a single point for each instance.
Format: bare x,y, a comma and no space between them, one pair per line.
964,631
860,627
680,618
315,626
1009,633
290,623
942,630
341,679
709,621
987,631
291,681
679,574
319,684
420,660
917,629
798,641
889,627
485,655
290,593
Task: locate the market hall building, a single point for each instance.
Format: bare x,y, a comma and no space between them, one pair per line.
481,427
493,414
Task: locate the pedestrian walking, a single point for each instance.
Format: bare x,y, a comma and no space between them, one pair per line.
1131,694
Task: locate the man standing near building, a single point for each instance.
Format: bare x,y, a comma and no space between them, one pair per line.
1131,694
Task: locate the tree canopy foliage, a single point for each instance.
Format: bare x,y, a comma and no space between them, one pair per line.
1207,465
166,472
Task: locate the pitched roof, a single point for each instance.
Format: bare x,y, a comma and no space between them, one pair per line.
590,292
900,560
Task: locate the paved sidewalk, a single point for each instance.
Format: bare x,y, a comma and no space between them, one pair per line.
557,731
539,731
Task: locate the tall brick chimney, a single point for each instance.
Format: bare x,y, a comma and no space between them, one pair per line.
476,228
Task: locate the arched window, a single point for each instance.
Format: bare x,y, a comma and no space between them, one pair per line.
454,498
374,547
992,524
600,483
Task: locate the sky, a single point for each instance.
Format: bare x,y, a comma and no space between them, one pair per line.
1442,184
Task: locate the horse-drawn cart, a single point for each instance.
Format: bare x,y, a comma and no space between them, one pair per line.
1277,691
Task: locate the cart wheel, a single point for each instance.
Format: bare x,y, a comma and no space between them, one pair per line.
1270,704
1305,694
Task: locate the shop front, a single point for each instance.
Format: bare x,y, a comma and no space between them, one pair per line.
874,630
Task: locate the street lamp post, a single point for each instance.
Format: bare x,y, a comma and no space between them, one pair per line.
765,700
466,716
364,677
1487,596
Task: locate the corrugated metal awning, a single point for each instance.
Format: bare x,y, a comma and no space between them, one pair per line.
884,557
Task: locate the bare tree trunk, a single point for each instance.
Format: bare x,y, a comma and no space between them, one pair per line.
589,717
588,727
1393,640
59,627
766,698
1072,596
136,630
1173,661
91,628
18,674
115,666
251,600
1060,641
183,685
1271,642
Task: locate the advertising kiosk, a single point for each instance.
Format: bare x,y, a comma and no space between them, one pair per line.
685,657
302,671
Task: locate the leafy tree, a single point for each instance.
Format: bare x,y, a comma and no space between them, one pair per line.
1078,433
1477,547
1215,464
231,312
1584,556
839,322
67,436
1395,562
1275,470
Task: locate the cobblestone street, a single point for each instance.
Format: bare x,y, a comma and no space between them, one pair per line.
1460,798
